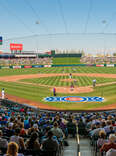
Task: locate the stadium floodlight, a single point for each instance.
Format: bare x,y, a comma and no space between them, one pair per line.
37,22
104,21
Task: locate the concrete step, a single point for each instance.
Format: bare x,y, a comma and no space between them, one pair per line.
71,150
85,147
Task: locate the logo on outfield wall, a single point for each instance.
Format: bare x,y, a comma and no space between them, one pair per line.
73,99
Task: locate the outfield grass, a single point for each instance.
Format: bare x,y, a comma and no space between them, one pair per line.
108,70
38,93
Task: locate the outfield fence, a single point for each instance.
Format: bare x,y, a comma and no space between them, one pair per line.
63,65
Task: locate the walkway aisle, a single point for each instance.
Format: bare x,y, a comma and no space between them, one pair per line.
71,150
85,147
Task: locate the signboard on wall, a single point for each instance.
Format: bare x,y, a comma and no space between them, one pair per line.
15,47
0,40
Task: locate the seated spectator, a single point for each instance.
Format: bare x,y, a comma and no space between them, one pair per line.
3,142
111,144
57,131
19,140
8,131
33,143
22,131
102,139
13,150
111,152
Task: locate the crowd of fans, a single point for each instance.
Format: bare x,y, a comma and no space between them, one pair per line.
22,130
101,128
26,61
26,131
98,60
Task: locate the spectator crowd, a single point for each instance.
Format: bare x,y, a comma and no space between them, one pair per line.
25,61
25,130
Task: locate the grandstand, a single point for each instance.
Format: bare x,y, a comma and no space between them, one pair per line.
80,131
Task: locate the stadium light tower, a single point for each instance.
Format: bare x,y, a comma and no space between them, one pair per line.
37,22
104,22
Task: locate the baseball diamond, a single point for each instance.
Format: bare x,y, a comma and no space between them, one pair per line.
28,86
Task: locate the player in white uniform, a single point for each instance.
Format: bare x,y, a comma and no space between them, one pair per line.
94,83
3,93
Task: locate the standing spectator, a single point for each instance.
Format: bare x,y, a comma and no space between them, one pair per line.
50,144
81,128
71,128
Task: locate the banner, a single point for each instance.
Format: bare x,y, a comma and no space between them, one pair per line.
110,65
73,99
16,67
89,64
47,65
27,66
0,40
5,67
14,46
37,66
99,65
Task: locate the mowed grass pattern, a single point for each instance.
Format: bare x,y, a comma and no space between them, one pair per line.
38,93
78,80
74,69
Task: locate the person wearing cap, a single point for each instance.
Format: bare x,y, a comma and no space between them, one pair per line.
54,91
111,144
94,83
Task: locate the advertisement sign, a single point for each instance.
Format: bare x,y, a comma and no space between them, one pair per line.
47,65
99,65
14,46
110,65
0,40
16,67
5,67
73,99
37,66
27,66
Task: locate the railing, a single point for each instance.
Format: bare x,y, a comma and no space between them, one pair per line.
78,144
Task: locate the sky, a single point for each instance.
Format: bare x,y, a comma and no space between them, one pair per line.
42,25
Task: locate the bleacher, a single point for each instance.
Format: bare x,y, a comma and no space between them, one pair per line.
21,121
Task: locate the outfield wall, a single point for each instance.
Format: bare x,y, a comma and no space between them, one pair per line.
65,65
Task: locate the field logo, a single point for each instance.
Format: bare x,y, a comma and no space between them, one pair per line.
73,99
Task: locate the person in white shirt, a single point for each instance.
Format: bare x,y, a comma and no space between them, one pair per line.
3,93
94,83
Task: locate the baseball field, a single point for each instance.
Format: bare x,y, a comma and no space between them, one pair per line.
32,85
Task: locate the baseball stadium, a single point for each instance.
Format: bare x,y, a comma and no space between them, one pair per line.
28,83
57,78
